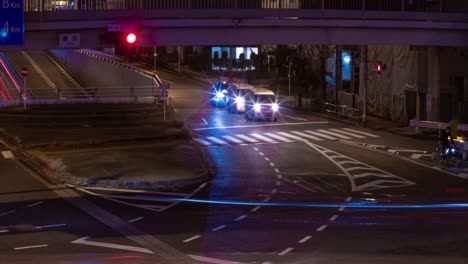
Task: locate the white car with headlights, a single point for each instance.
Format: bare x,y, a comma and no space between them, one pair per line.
237,96
261,103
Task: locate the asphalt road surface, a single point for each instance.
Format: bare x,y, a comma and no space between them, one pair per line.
260,207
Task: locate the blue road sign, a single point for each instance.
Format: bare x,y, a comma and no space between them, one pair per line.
11,23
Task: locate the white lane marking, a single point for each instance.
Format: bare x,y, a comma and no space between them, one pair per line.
83,241
7,213
249,139
267,199
8,154
218,228
203,142
361,132
303,186
49,226
235,140
204,121
357,167
267,159
219,141
276,170
240,218
306,135
349,199
133,191
278,137
333,218
4,231
256,149
295,118
347,133
274,191
305,239
278,183
320,229
272,164
190,239
396,150
341,209
266,125
366,174
36,246
255,209
212,260
291,136
320,134
262,138
348,161
34,204
136,219
284,252
333,134
279,176
418,156
261,153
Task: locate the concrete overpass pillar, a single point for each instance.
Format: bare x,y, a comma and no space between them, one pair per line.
433,83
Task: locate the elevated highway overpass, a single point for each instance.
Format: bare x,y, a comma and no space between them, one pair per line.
221,25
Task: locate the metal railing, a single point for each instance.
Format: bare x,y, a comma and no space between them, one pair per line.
435,125
341,110
136,94
458,6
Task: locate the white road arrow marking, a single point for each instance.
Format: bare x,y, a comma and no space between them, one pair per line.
83,241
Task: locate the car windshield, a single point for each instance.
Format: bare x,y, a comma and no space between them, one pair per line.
266,99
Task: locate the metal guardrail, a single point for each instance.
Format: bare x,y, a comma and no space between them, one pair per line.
457,6
137,94
435,125
341,110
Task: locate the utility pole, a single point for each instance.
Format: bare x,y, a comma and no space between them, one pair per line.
364,101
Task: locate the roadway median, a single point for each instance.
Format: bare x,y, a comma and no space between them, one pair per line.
116,146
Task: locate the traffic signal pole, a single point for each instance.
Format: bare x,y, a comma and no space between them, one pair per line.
364,101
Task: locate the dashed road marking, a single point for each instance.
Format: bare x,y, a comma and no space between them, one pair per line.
4,231
28,247
136,219
8,154
7,213
34,204
267,159
240,218
235,140
305,239
320,229
277,170
341,209
284,252
361,132
191,239
278,183
272,164
50,226
333,218
255,209
218,228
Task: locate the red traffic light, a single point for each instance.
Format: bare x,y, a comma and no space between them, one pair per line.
379,67
131,38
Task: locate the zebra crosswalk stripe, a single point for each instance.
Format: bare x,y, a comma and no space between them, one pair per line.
306,136
291,136
333,134
249,139
348,133
319,134
219,141
203,142
278,137
235,140
361,132
262,138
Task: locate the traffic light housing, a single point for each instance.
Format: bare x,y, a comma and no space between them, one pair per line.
125,43
380,67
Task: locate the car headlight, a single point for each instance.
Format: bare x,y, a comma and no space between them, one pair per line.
240,100
257,107
275,107
219,95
